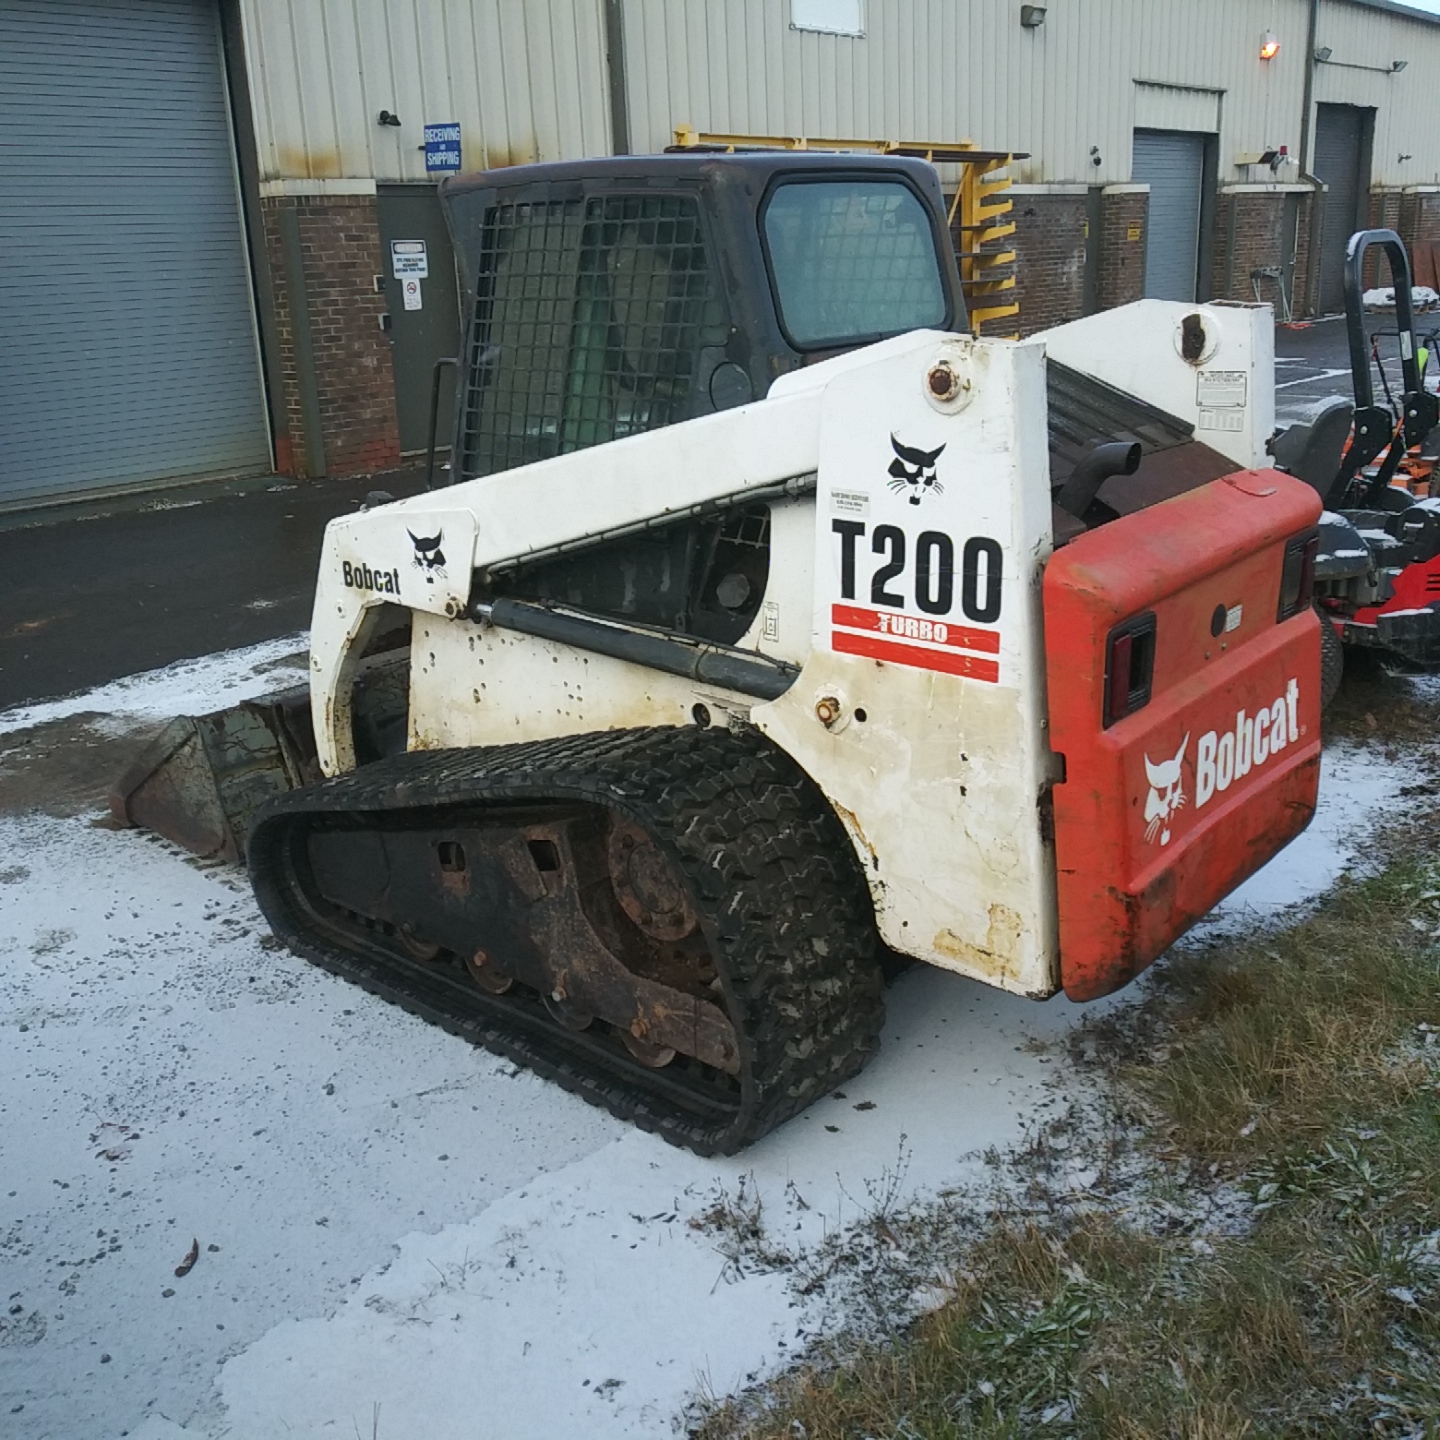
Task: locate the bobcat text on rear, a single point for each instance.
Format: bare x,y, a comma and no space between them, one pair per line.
1222,759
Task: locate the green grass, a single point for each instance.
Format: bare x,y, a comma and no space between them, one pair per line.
1285,1094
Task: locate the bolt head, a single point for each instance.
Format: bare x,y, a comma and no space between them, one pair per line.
944,383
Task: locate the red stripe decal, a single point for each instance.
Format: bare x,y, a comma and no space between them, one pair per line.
907,627
949,661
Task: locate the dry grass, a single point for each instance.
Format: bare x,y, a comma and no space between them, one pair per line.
1290,1089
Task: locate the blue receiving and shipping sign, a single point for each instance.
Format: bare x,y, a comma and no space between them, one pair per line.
442,148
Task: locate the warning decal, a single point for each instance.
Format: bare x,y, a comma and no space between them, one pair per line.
965,650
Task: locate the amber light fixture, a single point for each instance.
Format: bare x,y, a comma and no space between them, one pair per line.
1269,46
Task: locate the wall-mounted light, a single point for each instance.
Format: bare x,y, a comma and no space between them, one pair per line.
1269,46
1396,66
1032,16
1323,54
386,118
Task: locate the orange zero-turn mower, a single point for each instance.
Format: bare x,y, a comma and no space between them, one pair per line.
1378,567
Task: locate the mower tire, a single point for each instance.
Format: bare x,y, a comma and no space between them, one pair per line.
1332,660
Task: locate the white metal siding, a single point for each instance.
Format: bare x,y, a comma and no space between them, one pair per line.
1172,107
951,69
525,80
127,338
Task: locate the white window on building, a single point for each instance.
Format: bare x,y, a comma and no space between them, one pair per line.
830,17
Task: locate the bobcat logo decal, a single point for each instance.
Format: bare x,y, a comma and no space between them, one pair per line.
429,557
913,471
1167,793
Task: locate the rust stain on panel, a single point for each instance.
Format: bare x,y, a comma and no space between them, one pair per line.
999,955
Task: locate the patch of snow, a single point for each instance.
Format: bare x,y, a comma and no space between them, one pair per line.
188,687
167,1076
1355,781
1422,297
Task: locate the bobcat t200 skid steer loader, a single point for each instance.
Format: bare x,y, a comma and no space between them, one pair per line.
769,616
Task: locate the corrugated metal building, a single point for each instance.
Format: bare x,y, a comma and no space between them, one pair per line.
247,165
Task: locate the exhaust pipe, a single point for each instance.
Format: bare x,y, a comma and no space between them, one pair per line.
1092,470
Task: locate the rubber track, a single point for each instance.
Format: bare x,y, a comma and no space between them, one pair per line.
776,884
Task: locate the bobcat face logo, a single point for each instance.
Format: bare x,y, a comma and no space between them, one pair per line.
1167,793
913,471
429,557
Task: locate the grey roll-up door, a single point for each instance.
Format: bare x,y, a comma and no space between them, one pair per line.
127,330
1339,136
1172,163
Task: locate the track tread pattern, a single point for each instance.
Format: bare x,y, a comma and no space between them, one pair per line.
776,883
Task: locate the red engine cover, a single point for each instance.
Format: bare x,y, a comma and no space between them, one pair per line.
1165,811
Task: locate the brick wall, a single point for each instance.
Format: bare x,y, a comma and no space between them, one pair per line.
1249,236
1122,253
1382,213
1049,243
354,382
1306,248
1420,218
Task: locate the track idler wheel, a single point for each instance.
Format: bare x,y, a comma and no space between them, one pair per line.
647,886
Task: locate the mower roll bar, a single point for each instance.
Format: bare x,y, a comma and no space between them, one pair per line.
1374,424
1355,251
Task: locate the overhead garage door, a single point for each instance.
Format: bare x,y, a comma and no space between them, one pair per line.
1339,139
1172,163
127,332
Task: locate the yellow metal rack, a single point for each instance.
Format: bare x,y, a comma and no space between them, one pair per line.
978,211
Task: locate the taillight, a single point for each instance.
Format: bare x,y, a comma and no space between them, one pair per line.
1129,667
1297,578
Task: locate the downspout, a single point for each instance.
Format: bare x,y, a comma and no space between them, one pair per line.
1311,40
619,85
1317,217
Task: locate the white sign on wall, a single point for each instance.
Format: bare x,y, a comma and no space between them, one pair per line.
410,288
408,257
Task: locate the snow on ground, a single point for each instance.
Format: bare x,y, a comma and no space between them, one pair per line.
1355,783
188,687
398,1219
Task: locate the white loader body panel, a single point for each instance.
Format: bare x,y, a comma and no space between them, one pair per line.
1227,391
907,590
940,784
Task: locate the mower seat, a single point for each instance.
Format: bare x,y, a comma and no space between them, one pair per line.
1311,451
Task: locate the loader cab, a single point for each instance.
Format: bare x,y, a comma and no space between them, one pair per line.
613,296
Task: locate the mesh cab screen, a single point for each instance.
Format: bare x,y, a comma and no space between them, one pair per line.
589,316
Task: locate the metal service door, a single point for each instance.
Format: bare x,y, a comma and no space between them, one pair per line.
1172,163
129,351
1339,146
425,322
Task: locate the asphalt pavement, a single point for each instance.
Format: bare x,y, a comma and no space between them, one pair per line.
87,597
1312,361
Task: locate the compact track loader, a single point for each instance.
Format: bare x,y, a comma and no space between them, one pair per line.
771,619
